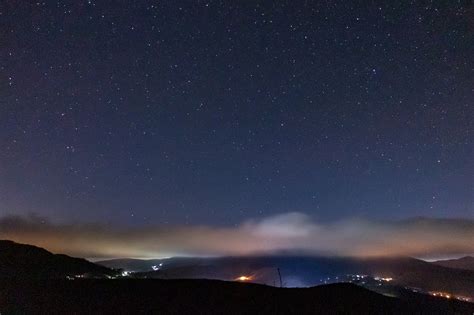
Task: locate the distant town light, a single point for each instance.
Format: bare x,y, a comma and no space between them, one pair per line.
244,278
447,295
157,267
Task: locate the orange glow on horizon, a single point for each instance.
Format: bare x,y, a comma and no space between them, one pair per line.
244,278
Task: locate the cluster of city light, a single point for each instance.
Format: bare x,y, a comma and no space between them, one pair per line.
463,298
244,278
450,296
441,294
157,267
383,279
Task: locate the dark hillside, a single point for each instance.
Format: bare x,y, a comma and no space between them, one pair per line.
31,262
131,296
466,263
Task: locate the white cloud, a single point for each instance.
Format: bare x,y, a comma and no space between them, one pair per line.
286,232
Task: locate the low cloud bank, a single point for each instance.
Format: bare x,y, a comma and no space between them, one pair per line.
290,232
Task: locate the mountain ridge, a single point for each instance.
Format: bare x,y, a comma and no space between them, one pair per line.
185,296
28,261
306,271
466,263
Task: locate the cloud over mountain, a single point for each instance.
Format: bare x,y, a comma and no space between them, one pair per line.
291,232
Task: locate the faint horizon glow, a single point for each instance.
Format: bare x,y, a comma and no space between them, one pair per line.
288,233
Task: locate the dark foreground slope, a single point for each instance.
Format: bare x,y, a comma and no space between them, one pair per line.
307,271
133,296
31,262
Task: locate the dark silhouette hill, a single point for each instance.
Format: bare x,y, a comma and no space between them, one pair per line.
35,281
421,274
307,271
466,263
140,296
31,262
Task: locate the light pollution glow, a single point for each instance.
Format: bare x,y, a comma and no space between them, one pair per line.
420,237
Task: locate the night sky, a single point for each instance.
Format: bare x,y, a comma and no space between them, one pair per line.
138,113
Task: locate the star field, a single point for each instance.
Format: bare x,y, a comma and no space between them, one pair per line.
213,112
